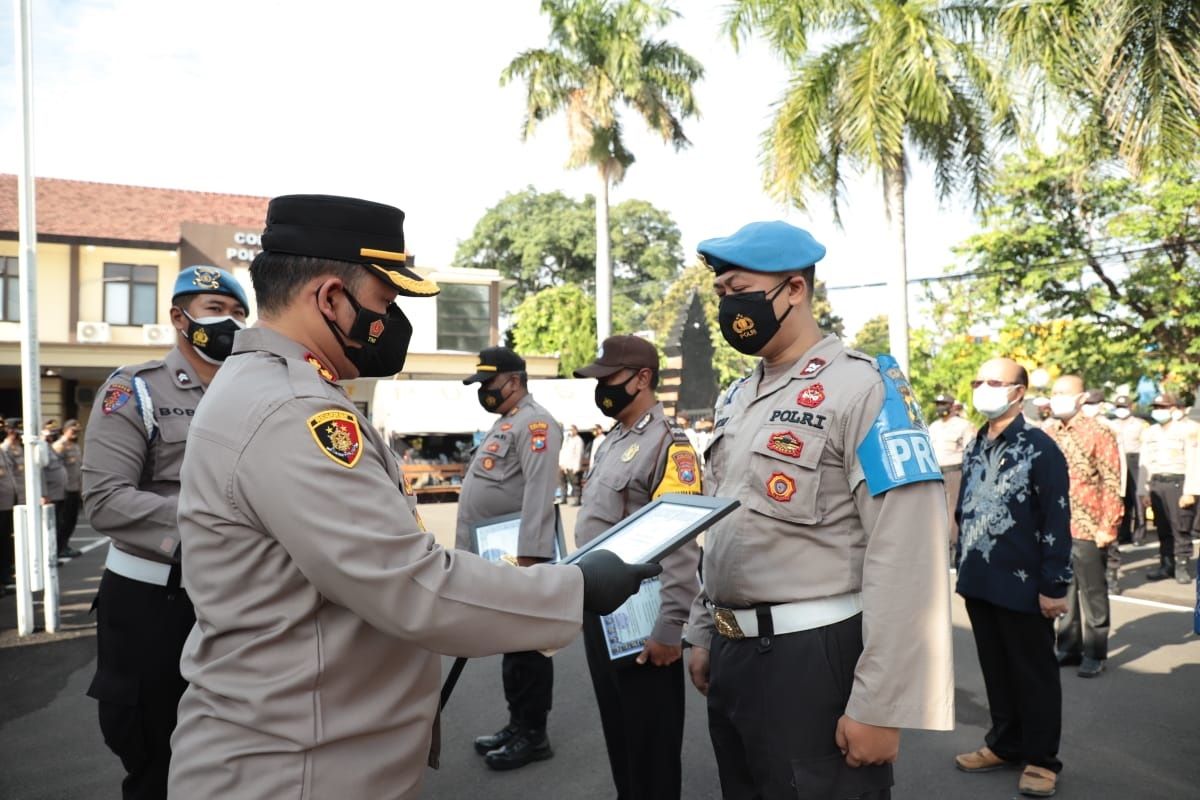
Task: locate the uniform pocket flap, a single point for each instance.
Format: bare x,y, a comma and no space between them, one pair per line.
831,778
496,446
111,687
614,481
791,446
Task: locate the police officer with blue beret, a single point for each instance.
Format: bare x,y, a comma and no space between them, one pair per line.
136,434
822,626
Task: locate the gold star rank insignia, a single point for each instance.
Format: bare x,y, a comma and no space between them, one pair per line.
337,433
322,370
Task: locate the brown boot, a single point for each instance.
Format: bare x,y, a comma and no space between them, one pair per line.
982,760
1037,782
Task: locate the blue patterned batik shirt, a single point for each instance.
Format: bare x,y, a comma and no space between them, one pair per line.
1014,517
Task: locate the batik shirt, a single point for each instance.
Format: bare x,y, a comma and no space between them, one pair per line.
1094,464
1014,516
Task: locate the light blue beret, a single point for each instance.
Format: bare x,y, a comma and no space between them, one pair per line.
763,247
209,280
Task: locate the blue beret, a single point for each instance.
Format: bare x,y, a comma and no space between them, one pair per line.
763,247
209,280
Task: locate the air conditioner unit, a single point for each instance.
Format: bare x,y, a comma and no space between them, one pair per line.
157,334
93,332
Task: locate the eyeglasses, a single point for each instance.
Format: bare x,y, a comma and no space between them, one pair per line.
995,384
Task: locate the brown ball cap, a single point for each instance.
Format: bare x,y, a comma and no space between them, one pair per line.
618,353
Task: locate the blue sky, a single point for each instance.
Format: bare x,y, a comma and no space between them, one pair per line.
400,102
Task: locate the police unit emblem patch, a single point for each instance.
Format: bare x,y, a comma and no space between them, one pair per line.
200,337
811,396
488,462
337,433
628,455
780,487
538,431
813,366
117,395
786,443
375,331
743,326
685,465
493,447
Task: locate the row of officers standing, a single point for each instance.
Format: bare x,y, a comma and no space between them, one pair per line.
272,613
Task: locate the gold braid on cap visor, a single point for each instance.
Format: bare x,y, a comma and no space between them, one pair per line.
421,287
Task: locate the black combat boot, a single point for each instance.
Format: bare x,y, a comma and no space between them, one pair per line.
529,745
486,744
1166,569
1183,571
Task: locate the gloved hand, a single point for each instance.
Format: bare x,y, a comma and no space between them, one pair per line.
608,581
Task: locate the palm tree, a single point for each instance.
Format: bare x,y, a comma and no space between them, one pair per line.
887,78
601,56
1128,69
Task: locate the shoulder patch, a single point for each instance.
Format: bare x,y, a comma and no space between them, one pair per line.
897,449
116,396
681,475
337,433
537,436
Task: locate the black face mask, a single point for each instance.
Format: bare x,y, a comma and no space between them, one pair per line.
748,319
492,399
384,339
212,337
612,400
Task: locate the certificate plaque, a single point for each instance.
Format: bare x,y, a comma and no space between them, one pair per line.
659,528
627,629
496,539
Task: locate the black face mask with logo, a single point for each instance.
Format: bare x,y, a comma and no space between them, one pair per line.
612,400
748,319
212,337
492,399
384,339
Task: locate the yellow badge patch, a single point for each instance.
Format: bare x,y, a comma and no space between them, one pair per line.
628,455
680,474
337,433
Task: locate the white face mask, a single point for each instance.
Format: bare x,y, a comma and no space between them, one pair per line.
1063,405
1121,413
1090,409
991,401
1160,414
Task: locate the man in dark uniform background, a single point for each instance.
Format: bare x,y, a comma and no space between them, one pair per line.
515,469
137,430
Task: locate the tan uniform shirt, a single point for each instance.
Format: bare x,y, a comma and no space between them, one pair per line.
633,466
73,460
16,463
515,469
136,434
809,528
54,474
321,606
9,491
950,438
1165,451
1129,433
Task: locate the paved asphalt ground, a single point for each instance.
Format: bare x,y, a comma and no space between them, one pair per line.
1132,734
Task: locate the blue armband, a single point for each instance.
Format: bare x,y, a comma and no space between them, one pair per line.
897,449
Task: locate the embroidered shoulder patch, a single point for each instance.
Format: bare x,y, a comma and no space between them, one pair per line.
680,475
537,433
337,433
115,396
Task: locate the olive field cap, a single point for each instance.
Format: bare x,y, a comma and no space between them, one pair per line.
345,229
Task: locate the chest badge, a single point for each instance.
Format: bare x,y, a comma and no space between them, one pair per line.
488,462
628,455
505,426
337,433
780,487
786,443
813,366
183,377
493,447
811,396
116,396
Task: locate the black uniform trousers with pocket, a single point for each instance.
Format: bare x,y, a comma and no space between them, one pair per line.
1174,524
773,707
140,632
641,713
528,687
1021,676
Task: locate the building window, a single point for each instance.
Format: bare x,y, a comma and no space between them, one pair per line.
10,289
464,318
130,294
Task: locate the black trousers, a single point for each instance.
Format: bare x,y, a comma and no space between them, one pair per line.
1174,524
528,687
569,478
140,631
7,546
1016,654
1133,524
773,707
66,517
641,712
1086,633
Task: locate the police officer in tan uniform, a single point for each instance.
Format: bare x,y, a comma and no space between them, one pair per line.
137,430
322,607
67,446
1167,449
8,498
823,624
515,469
644,456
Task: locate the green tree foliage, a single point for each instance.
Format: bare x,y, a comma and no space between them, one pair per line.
873,338
558,321
541,240
602,57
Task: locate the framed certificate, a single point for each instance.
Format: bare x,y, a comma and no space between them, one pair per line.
496,538
627,629
659,528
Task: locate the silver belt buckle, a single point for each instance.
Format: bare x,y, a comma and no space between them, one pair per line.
727,624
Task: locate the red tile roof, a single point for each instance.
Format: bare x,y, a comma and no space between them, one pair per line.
125,213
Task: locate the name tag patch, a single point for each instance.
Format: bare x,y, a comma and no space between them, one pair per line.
791,415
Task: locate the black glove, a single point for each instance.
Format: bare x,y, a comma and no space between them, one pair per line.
608,581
